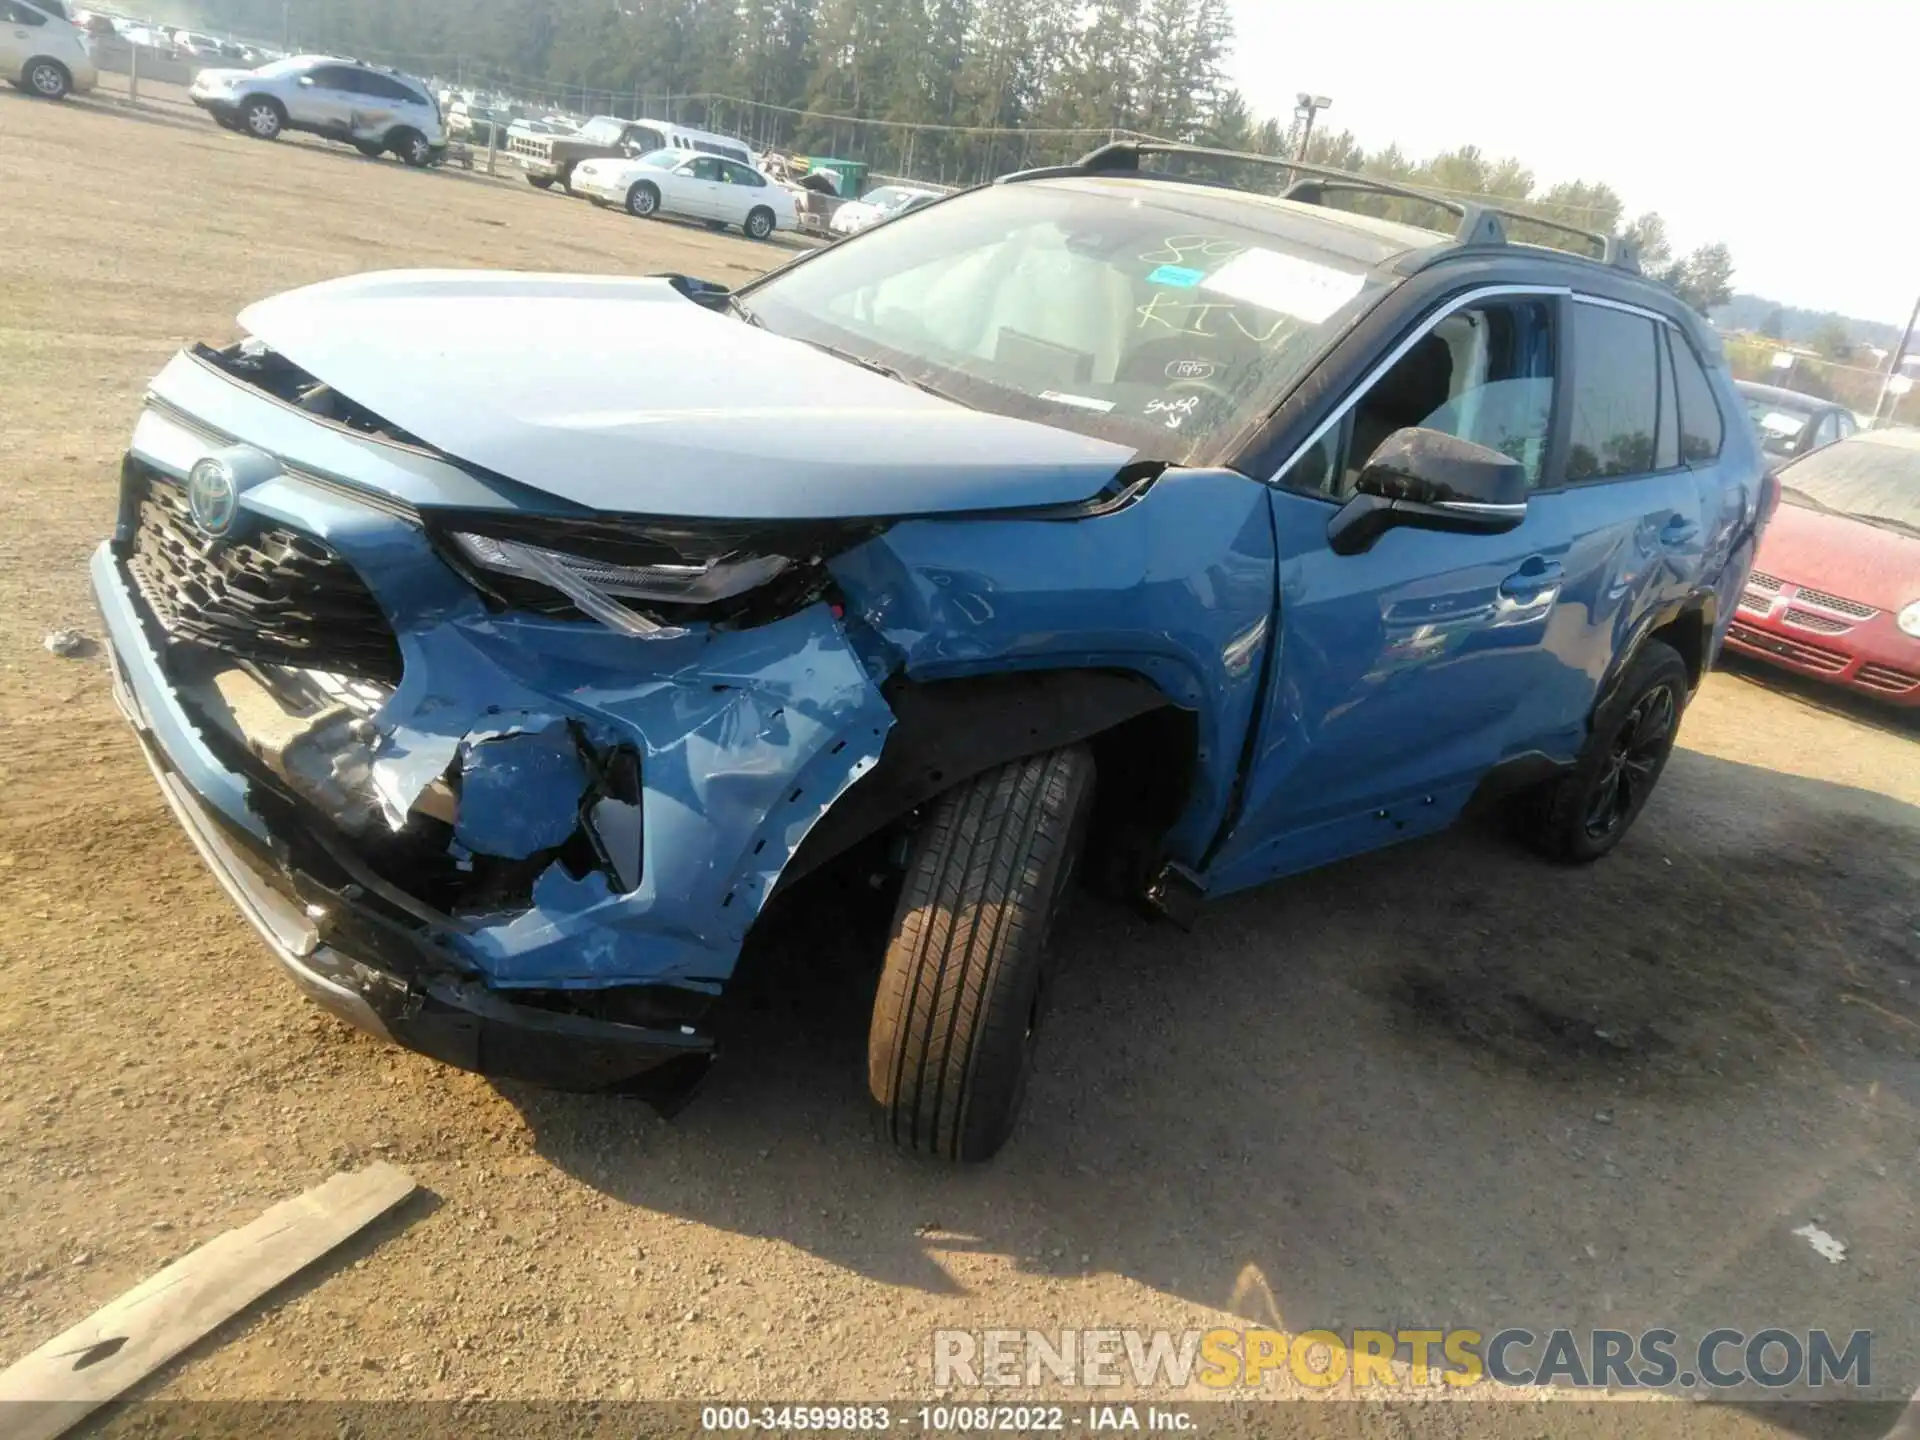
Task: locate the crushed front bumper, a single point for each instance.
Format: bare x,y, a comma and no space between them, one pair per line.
354,962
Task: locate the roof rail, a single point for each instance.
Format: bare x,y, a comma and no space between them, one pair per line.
1479,219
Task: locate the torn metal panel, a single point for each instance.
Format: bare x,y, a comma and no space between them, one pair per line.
1177,586
521,788
744,740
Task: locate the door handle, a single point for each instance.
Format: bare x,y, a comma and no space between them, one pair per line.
1531,580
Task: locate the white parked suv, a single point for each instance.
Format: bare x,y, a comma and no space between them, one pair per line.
370,108
42,52
690,183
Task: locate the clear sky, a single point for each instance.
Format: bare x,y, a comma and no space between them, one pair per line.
1790,131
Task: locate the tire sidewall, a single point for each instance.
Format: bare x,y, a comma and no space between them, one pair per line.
760,224
643,201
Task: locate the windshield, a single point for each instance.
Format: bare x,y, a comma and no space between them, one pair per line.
1119,317
1870,480
662,159
601,132
1781,425
888,196
284,67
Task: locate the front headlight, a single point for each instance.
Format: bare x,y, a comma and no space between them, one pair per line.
598,587
1909,620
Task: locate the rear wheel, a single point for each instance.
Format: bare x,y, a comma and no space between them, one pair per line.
1588,811
643,200
540,182
759,224
262,118
966,979
48,79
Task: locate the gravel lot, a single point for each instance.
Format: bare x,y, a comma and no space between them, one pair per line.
1440,1086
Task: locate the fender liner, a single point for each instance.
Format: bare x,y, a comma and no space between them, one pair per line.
948,731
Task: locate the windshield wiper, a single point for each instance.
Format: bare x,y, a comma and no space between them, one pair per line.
1812,503
876,367
1887,522
739,307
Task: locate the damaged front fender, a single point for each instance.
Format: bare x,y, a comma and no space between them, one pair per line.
743,740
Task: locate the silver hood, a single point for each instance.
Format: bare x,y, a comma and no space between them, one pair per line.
622,395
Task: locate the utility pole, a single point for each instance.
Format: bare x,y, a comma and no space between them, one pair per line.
1306,106
1893,361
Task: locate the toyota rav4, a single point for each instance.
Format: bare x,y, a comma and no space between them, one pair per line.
503,668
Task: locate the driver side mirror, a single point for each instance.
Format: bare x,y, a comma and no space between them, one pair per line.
1430,480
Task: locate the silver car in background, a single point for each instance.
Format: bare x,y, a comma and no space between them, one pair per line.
375,110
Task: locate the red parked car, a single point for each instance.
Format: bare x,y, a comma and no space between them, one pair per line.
1835,589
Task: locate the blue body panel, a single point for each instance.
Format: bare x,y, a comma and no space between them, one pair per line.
1177,587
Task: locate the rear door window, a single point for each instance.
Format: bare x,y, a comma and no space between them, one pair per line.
1616,393
24,14
385,89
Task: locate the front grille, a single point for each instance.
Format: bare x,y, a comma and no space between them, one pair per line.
1814,657
1756,601
270,594
1822,624
1836,602
1762,581
1886,679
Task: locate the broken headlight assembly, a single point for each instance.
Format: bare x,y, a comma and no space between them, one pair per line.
641,577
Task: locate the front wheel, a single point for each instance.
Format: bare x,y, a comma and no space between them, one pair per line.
262,118
540,182
369,149
643,200
49,79
759,224
412,148
966,978
1588,811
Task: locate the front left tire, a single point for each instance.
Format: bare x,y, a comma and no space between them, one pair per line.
967,973
261,117
643,200
47,78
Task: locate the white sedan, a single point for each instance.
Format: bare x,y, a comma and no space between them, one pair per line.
690,183
877,205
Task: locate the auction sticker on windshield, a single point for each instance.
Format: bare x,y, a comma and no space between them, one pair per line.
1285,284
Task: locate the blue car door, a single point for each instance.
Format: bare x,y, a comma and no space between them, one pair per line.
1400,670
1630,506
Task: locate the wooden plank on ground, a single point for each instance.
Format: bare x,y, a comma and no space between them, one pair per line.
131,1337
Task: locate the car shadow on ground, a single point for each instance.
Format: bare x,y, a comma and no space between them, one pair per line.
1444,1085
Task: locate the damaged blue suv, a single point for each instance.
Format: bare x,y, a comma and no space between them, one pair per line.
505,642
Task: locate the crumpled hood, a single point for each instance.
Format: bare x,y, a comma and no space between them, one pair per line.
620,394
1841,556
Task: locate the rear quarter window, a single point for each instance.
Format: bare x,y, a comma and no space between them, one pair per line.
1702,428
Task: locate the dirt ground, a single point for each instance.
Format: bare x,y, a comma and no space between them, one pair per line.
1440,1086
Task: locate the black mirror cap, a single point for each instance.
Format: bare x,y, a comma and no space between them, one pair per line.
1431,467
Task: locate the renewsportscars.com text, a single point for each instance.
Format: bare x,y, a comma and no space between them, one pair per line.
1224,1359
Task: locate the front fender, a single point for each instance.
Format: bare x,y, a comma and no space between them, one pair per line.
1176,586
